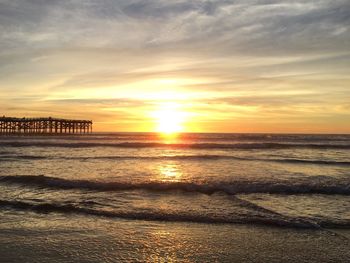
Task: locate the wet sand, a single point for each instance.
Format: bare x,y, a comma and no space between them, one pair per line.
30,237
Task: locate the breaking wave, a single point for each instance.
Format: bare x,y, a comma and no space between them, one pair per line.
280,221
173,157
153,215
231,188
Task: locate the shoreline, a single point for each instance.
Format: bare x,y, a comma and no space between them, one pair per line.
30,237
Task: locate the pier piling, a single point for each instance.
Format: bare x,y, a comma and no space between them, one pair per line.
11,125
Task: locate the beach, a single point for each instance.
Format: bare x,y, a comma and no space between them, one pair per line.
69,238
142,197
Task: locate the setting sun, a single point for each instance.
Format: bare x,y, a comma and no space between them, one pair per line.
169,118
174,131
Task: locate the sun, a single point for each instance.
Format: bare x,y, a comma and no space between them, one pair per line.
169,118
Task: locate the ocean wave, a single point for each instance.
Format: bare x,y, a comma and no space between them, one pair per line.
157,215
160,157
238,187
254,218
212,137
321,162
232,146
23,157
173,157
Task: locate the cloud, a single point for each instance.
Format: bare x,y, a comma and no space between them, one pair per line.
241,26
252,56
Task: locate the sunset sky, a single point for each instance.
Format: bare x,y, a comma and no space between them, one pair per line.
222,66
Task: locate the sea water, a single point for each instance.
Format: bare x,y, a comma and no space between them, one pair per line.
150,182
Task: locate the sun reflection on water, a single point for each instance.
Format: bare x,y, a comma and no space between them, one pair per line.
169,138
166,255
170,172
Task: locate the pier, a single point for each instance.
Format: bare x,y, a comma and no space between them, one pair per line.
10,125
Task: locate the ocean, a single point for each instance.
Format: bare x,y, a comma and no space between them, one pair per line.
143,197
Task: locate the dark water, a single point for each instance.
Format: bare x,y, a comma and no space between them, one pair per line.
299,181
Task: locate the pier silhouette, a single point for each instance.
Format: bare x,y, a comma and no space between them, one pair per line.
11,125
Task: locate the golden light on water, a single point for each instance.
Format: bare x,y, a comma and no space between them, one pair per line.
170,172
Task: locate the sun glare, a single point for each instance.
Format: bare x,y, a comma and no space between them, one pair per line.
169,118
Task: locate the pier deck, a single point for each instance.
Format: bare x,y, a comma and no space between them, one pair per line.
10,125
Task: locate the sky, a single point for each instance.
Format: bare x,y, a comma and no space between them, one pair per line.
219,66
